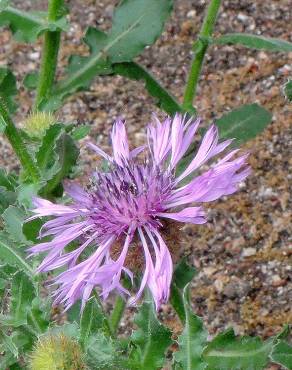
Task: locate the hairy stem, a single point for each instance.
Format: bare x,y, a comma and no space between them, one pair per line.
49,55
201,46
117,313
18,145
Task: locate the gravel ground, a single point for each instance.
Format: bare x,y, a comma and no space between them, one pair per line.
242,255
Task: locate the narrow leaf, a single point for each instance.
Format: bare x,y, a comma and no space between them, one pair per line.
255,42
227,352
151,339
28,26
163,98
193,339
136,24
243,123
282,354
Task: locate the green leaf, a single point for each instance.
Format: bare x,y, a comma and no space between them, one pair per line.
8,90
6,199
7,343
81,132
136,24
3,4
288,90
163,98
45,155
25,192
92,320
282,354
9,253
38,316
227,352
243,123
102,353
30,81
182,275
151,340
28,26
67,155
13,219
193,339
22,294
255,42
6,180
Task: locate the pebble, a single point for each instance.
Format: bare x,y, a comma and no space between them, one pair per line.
248,252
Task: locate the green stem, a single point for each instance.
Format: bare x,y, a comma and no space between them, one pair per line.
18,145
117,314
49,56
202,46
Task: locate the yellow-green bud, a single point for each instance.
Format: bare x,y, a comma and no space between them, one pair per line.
57,352
38,122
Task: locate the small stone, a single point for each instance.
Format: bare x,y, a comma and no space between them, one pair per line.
248,252
191,14
34,55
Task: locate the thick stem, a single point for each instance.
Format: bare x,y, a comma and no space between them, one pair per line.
117,314
49,56
196,67
18,145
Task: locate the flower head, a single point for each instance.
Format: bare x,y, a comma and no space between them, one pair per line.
131,202
57,352
37,123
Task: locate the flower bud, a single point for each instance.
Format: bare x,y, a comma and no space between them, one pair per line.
38,122
57,352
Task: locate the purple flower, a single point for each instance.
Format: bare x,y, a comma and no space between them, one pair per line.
131,203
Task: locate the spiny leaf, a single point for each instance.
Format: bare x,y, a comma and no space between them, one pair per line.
243,123
13,219
282,354
151,340
28,26
227,352
92,320
10,253
22,294
255,42
136,24
8,90
163,98
193,339
102,353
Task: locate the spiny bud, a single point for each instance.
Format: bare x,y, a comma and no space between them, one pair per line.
57,352
37,123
